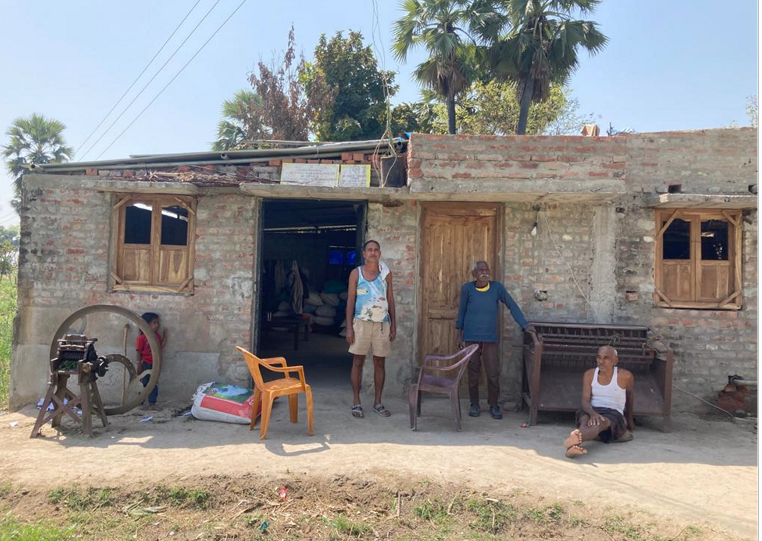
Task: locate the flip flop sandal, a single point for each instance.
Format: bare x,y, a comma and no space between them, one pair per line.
381,410
357,411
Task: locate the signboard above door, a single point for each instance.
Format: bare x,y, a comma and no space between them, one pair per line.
310,174
326,175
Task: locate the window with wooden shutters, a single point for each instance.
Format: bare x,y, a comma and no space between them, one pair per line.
698,259
154,243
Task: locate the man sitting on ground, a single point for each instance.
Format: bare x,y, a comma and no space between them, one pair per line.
608,396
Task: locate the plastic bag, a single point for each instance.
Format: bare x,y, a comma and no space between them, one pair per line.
223,402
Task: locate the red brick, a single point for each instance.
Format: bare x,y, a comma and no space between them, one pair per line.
345,156
275,163
358,157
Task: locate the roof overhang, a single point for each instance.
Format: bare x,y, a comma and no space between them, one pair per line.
699,201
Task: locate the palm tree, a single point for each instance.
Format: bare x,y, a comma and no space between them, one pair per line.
34,140
542,47
242,122
448,30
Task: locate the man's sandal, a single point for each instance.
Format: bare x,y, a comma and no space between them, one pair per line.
381,410
357,411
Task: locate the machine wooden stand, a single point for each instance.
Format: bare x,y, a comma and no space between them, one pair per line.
76,357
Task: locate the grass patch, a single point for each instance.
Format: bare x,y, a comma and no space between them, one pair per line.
5,489
347,526
616,524
492,516
82,500
13,530
7,313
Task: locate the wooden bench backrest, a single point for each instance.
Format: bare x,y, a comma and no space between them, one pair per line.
566,344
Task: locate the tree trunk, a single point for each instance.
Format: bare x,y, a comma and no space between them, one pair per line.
526,101
451,114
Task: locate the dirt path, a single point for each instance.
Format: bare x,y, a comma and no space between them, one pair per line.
703,473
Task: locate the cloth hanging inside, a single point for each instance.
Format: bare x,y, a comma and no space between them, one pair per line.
296,297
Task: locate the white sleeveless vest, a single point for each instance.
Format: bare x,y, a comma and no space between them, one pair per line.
610,396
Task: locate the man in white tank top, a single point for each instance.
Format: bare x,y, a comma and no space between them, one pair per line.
608,396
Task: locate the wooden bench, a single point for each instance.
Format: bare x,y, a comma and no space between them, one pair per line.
556,356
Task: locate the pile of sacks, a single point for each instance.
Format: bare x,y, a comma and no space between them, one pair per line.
327,308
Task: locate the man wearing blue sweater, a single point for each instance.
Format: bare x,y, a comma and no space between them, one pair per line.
477,324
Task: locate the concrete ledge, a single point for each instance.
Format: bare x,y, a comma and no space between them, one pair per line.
696,200
564,190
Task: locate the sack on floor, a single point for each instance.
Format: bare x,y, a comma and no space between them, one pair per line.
331,299
326,311
343,332
223,402
343,295
284,307
314,299
281,314
344,324
310,308
324,321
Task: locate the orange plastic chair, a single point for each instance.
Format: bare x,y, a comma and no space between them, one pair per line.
267,392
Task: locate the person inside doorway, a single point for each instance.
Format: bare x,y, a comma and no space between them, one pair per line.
370,309
477,323
608,396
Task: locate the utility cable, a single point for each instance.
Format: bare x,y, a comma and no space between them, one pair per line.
137,78
173,78
150,81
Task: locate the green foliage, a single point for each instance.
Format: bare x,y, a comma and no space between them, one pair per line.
349,69
9,248
492,108
542,46
447,30
34,139
491,515
82,500
349,527
194,497
7,314
752,110
242,121
13,530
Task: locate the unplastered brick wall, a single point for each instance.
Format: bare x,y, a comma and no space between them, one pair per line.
709,345
396,229
484,157
705,161
562,251
64,266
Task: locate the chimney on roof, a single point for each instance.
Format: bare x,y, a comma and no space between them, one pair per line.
591,130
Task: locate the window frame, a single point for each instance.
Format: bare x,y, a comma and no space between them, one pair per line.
734,219
155,249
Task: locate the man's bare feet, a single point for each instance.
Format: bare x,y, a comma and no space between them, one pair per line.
575,438
575,450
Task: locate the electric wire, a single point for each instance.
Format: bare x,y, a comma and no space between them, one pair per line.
150,81
137,78
173,78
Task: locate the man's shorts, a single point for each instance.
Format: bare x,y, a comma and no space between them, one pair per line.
370,336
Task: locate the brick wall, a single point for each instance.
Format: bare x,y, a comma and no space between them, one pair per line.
64,256
707,161
507,159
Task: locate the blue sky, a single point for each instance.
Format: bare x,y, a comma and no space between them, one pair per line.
669,65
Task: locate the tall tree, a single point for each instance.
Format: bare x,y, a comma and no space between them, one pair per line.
349,68
33,140
542,46
752,110
287,110
448,30
242,121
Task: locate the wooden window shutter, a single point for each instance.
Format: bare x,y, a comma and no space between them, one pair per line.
685,276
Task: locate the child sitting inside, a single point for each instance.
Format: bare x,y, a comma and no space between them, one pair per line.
145,357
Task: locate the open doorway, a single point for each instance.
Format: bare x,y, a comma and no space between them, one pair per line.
308,250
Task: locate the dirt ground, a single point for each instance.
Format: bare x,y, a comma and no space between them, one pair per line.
703,474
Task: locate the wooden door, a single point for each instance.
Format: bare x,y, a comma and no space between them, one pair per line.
455,236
